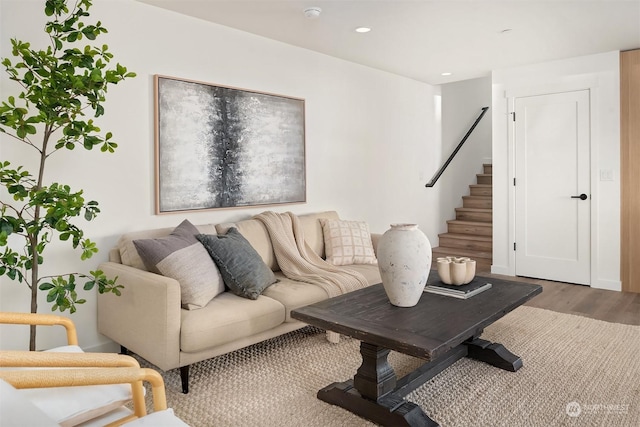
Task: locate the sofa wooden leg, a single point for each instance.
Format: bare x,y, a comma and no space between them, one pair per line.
124,350
184,376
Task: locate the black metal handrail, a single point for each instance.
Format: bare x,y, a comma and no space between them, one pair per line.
444,166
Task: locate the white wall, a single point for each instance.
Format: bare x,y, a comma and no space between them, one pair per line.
600,74
372,137
461,105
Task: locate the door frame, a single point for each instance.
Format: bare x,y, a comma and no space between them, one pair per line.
591,85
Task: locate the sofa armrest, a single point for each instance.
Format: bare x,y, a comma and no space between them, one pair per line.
146,317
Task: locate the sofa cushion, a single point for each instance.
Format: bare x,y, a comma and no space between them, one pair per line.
241,266
294,294
369,271
347,242
313,230
227,318
182,257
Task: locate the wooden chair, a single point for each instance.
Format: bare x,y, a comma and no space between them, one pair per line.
92,388
80,379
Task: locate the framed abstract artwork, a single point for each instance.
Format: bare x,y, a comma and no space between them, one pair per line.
224,147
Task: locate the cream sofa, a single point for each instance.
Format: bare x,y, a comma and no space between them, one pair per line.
148,319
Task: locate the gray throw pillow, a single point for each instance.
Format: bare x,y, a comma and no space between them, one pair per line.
242,268
182,257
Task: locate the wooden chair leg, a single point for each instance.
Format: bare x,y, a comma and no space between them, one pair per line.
184,376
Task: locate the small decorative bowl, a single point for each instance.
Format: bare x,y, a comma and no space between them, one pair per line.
456,270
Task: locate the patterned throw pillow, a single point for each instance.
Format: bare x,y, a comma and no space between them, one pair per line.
242,268
182,257
347,242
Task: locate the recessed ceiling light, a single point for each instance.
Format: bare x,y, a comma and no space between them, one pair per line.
446,74
312,12
363,29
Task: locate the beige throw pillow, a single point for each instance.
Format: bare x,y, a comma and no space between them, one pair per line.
347,242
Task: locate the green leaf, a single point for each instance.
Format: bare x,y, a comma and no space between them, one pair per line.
5,227
48,9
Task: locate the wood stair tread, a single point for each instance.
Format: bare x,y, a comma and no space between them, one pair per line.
470,223
478,197
474,210
466,237
477,255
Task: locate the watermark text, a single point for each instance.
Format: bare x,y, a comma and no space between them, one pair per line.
575,409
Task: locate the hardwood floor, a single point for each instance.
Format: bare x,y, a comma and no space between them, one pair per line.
601,304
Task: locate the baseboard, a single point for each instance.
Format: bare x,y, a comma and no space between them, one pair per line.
106,347
496,269
611,285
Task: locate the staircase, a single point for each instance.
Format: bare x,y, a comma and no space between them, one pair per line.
470,234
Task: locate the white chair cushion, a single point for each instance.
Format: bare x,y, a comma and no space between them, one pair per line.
17,410
108,418
70,406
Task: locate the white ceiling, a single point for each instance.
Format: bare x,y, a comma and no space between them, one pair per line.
421,39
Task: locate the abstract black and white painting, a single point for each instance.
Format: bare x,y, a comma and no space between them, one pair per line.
221,147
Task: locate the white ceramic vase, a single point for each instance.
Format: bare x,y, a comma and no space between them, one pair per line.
404,260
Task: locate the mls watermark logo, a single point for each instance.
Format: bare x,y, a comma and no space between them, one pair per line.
575,409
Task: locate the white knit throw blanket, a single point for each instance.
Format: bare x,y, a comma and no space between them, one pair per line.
299,262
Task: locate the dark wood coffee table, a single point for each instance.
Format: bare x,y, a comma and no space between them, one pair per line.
439,329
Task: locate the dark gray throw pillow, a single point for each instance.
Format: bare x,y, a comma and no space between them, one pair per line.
241,267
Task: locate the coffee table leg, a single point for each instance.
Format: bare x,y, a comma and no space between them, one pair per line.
494,354
375,377
370,393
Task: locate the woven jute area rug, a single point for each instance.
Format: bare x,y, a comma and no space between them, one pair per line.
577,372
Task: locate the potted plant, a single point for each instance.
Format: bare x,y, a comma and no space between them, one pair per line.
62,87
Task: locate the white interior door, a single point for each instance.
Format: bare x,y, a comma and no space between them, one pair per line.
552,148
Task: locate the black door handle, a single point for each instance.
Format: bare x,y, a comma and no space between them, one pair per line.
581,197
